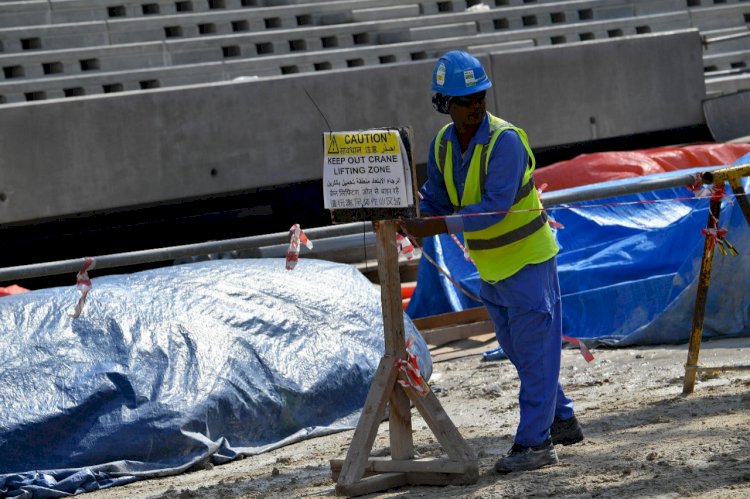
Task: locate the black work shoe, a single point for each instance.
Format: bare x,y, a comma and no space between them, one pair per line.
522,458
566,432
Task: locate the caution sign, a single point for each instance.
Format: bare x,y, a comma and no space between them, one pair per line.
366,169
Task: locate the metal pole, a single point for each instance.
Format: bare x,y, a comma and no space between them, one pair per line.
596,191
266,245
720,175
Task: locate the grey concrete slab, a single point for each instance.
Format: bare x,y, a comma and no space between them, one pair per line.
645,7
721,16
602,89
466,29
727,61
723,85
442,6
726,40
53,37
389,12
728,116
28,13
93,84
103,58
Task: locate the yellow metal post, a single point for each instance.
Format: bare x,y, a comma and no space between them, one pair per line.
691,367
731,174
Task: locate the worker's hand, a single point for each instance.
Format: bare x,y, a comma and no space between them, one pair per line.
423,227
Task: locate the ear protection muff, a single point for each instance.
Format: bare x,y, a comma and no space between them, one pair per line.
440,102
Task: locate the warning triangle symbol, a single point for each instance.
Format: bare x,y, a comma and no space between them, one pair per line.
333,147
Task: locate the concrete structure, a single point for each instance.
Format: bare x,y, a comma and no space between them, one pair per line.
53,50
121,113
725,122
136,149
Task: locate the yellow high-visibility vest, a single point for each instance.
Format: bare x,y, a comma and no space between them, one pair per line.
523,236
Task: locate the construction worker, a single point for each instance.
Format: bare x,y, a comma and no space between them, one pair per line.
481,164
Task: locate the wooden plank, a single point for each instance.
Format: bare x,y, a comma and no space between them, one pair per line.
443,335
369,421
399,425
370,484
402,446
470,476
476,314
390,287
387,465
442,427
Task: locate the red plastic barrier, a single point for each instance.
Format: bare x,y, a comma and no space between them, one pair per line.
407,290
13,289
601,167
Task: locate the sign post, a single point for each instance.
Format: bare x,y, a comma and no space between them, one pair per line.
369,175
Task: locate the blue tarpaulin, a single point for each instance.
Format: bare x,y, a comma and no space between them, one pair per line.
170,368
628,268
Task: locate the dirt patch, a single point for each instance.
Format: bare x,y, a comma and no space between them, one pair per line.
643,437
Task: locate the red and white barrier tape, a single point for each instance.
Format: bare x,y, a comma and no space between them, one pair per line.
296,236
83,284
585,352
467,256
551,221
405,246
410,375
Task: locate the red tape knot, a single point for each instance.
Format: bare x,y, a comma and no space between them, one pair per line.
718,237
296,237
83,284
405,246
551,221
410,376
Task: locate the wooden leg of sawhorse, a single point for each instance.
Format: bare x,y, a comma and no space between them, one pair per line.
360,474
461,465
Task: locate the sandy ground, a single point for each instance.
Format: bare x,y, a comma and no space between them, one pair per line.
644,438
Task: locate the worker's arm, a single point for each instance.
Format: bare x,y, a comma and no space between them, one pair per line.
434,202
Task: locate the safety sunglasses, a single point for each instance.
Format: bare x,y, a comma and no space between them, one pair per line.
468,100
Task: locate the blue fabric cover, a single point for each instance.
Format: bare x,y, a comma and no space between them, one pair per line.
172,367
628,268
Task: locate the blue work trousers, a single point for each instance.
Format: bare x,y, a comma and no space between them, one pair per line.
527,315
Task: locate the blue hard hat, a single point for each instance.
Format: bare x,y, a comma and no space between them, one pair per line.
458,73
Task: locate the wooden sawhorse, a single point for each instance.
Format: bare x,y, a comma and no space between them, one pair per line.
460,467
